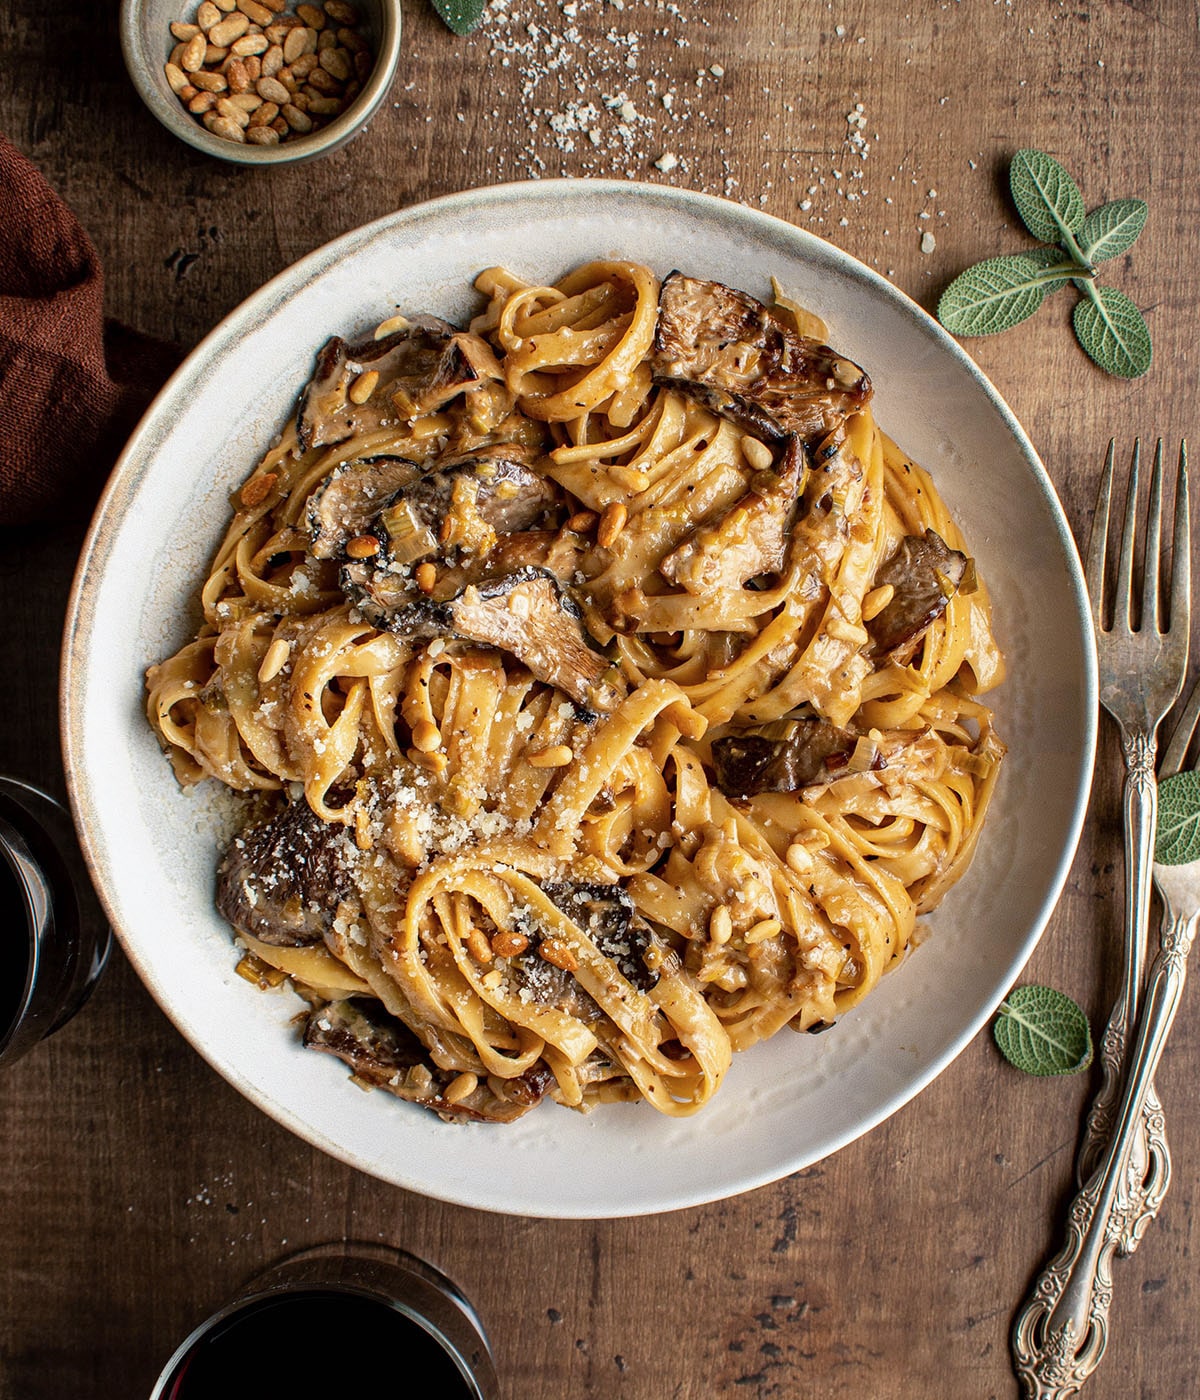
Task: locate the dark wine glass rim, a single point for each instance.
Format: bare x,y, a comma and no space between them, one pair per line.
11,841
291,1290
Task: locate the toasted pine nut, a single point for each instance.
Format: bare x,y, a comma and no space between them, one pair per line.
275,659
761,931
304,65
272,90
427,736
229,29
264,115
612,522
177,78
340,12
799,858
757,454
582,521
272,61
391,326
462,1086
294,44
508,943
207,15
191,60
226,128
299,121
248,101
555,951
262,135
249,45
209,82
184,32
362,547
720,926
336,62
260,14
558,756
426,576
878,599
201,103
314,18
364,386
493,979
259,487
226,108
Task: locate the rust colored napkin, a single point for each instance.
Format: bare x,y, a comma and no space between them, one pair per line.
71,386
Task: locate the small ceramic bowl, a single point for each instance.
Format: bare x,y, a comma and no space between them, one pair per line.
146,42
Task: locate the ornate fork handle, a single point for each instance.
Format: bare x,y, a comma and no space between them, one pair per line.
1149,1171
1060,1332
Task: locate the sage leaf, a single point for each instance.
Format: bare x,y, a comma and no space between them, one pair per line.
993,295
1042,1031
1112,229
1111,329
1047,198
462,16
1177,832
1051,255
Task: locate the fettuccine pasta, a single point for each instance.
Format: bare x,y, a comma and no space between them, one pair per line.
604,686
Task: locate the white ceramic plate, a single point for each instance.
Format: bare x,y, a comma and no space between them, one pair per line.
153,849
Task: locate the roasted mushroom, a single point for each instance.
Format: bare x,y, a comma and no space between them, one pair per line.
419,369
786,757
925,574
608,917
344,507
740,359
385,1054
282,879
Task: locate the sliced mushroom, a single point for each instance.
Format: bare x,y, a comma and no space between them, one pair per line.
925,574
385,1054
526,612
282,879
740,359
608,916
794,754
467,503
351,497
419,369
750,539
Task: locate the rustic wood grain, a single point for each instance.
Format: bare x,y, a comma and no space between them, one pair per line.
139,1189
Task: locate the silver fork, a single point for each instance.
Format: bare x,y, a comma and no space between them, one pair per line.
1142,667
1060,1334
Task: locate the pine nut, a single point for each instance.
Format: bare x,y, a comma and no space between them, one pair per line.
508,943
176,78
274,660
191,60
364,386
427,736
556,952
184,32
340,12
336,62
260,14
293,45
225,108
612,522
757,454
878,599
314,18
249,44
299,121
207,15
362,547
202,102
426,576
272,90
262,136
209,82
720,926
264,115
582,521
557,756
462,1086
227,129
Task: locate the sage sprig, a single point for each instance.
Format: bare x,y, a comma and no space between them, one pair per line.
462,16
1042,1031
1001,292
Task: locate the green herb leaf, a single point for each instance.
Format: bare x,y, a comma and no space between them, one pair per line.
1047,199
1051,255
1042,1031
1112,229
1111,329
461,15
994,295
1177,832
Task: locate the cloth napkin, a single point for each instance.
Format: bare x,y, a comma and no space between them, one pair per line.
72,386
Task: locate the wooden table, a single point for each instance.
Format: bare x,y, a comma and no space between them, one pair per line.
138,1189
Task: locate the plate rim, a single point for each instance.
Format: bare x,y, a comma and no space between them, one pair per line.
136,460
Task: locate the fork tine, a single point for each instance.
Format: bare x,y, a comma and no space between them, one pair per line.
1124,592
1181,551
1176,754
1098,539
1152,609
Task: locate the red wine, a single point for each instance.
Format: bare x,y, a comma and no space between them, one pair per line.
278,1345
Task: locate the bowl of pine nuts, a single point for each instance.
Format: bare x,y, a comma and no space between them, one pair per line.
262,82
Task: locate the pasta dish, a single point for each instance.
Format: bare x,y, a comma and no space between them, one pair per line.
604,686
